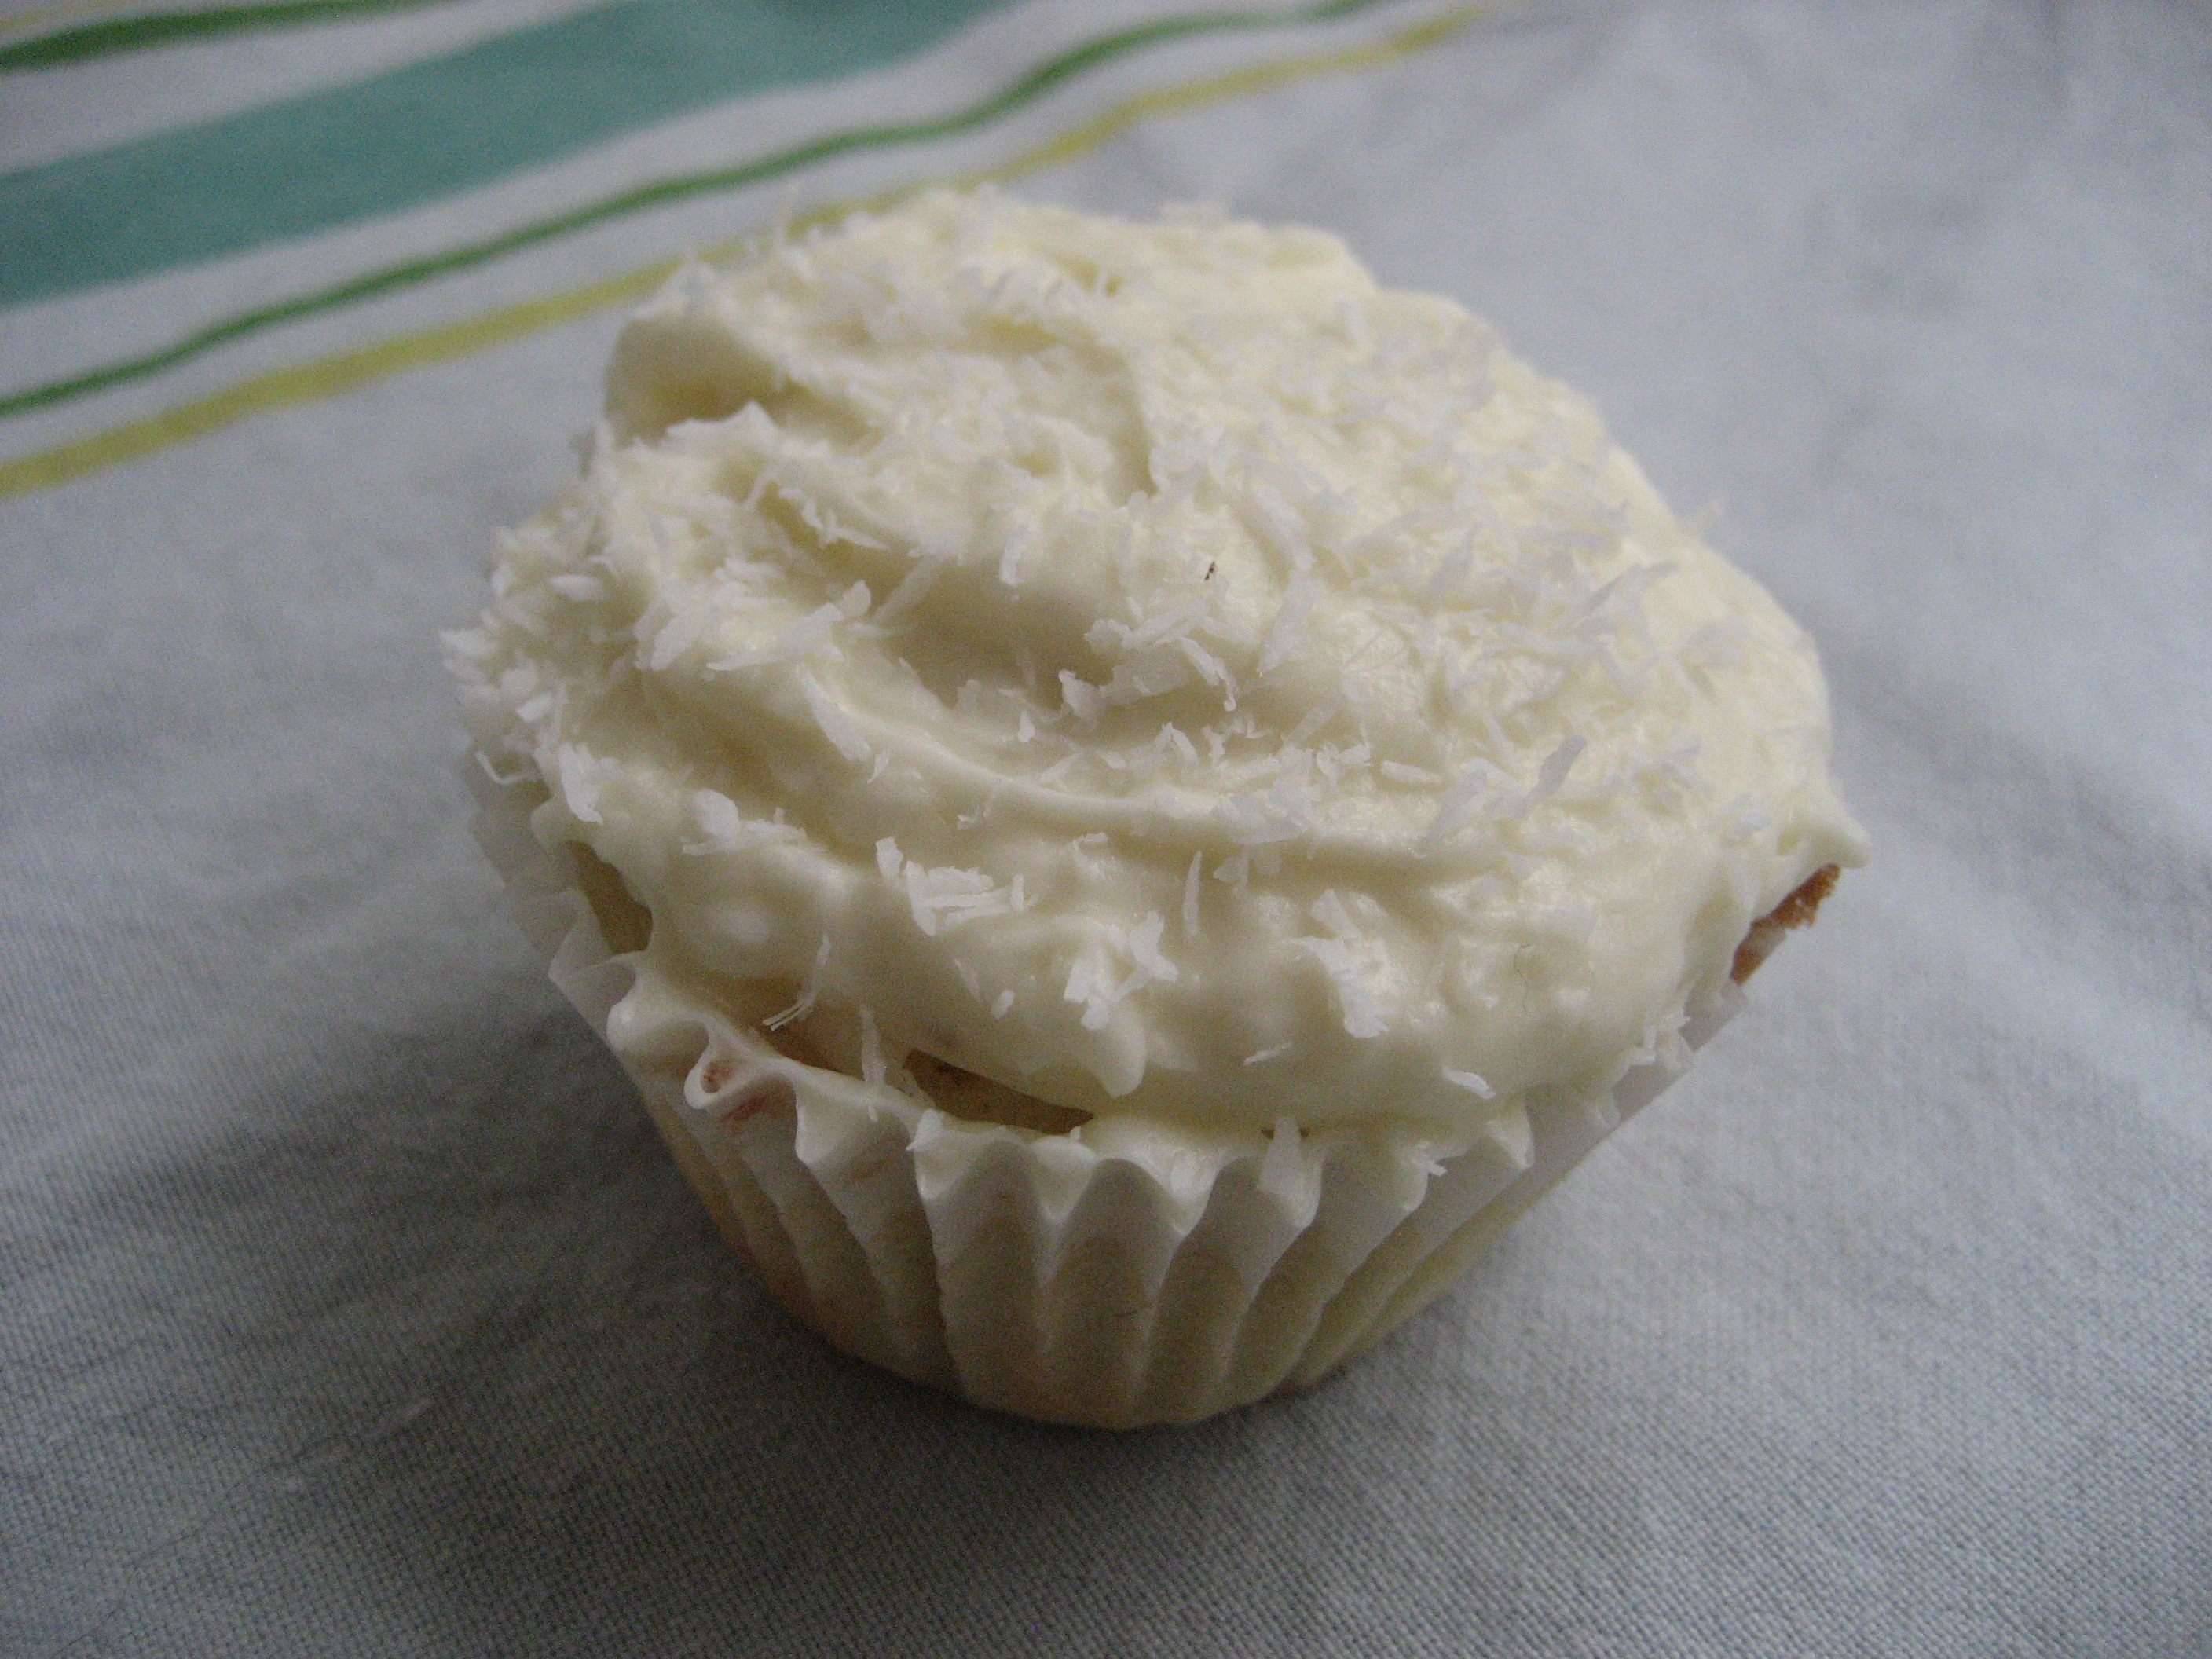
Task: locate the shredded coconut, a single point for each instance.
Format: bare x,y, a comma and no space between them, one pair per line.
836,724
807,992
583,776
723,829
1362,1019
873,1069
1199,553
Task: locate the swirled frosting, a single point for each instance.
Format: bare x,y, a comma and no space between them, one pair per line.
1150,667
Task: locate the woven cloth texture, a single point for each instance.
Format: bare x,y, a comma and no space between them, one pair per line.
348,1304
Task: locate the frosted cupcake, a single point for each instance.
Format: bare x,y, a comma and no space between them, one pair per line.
1127,797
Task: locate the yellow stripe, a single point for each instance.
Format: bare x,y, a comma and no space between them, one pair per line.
1219,88
327,376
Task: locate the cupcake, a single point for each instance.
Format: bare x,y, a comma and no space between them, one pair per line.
1127,797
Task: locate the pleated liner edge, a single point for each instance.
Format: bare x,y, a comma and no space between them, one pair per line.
1133,1272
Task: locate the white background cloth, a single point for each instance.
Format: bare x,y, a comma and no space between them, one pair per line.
347,1304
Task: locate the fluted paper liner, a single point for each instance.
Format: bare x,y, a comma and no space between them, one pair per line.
1131,1270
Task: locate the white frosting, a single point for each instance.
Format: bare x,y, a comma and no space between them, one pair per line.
1151,667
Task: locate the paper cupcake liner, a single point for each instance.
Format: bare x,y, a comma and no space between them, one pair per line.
1127,1272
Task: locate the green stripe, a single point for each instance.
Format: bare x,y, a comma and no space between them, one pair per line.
328,376
304,165
163,28
1089,55
39,19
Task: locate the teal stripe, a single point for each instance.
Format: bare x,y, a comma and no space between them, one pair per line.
167,29
1024,89
307,164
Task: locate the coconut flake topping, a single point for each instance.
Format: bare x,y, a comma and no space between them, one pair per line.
1197,552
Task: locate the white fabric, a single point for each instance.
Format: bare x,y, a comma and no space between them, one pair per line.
349,1305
